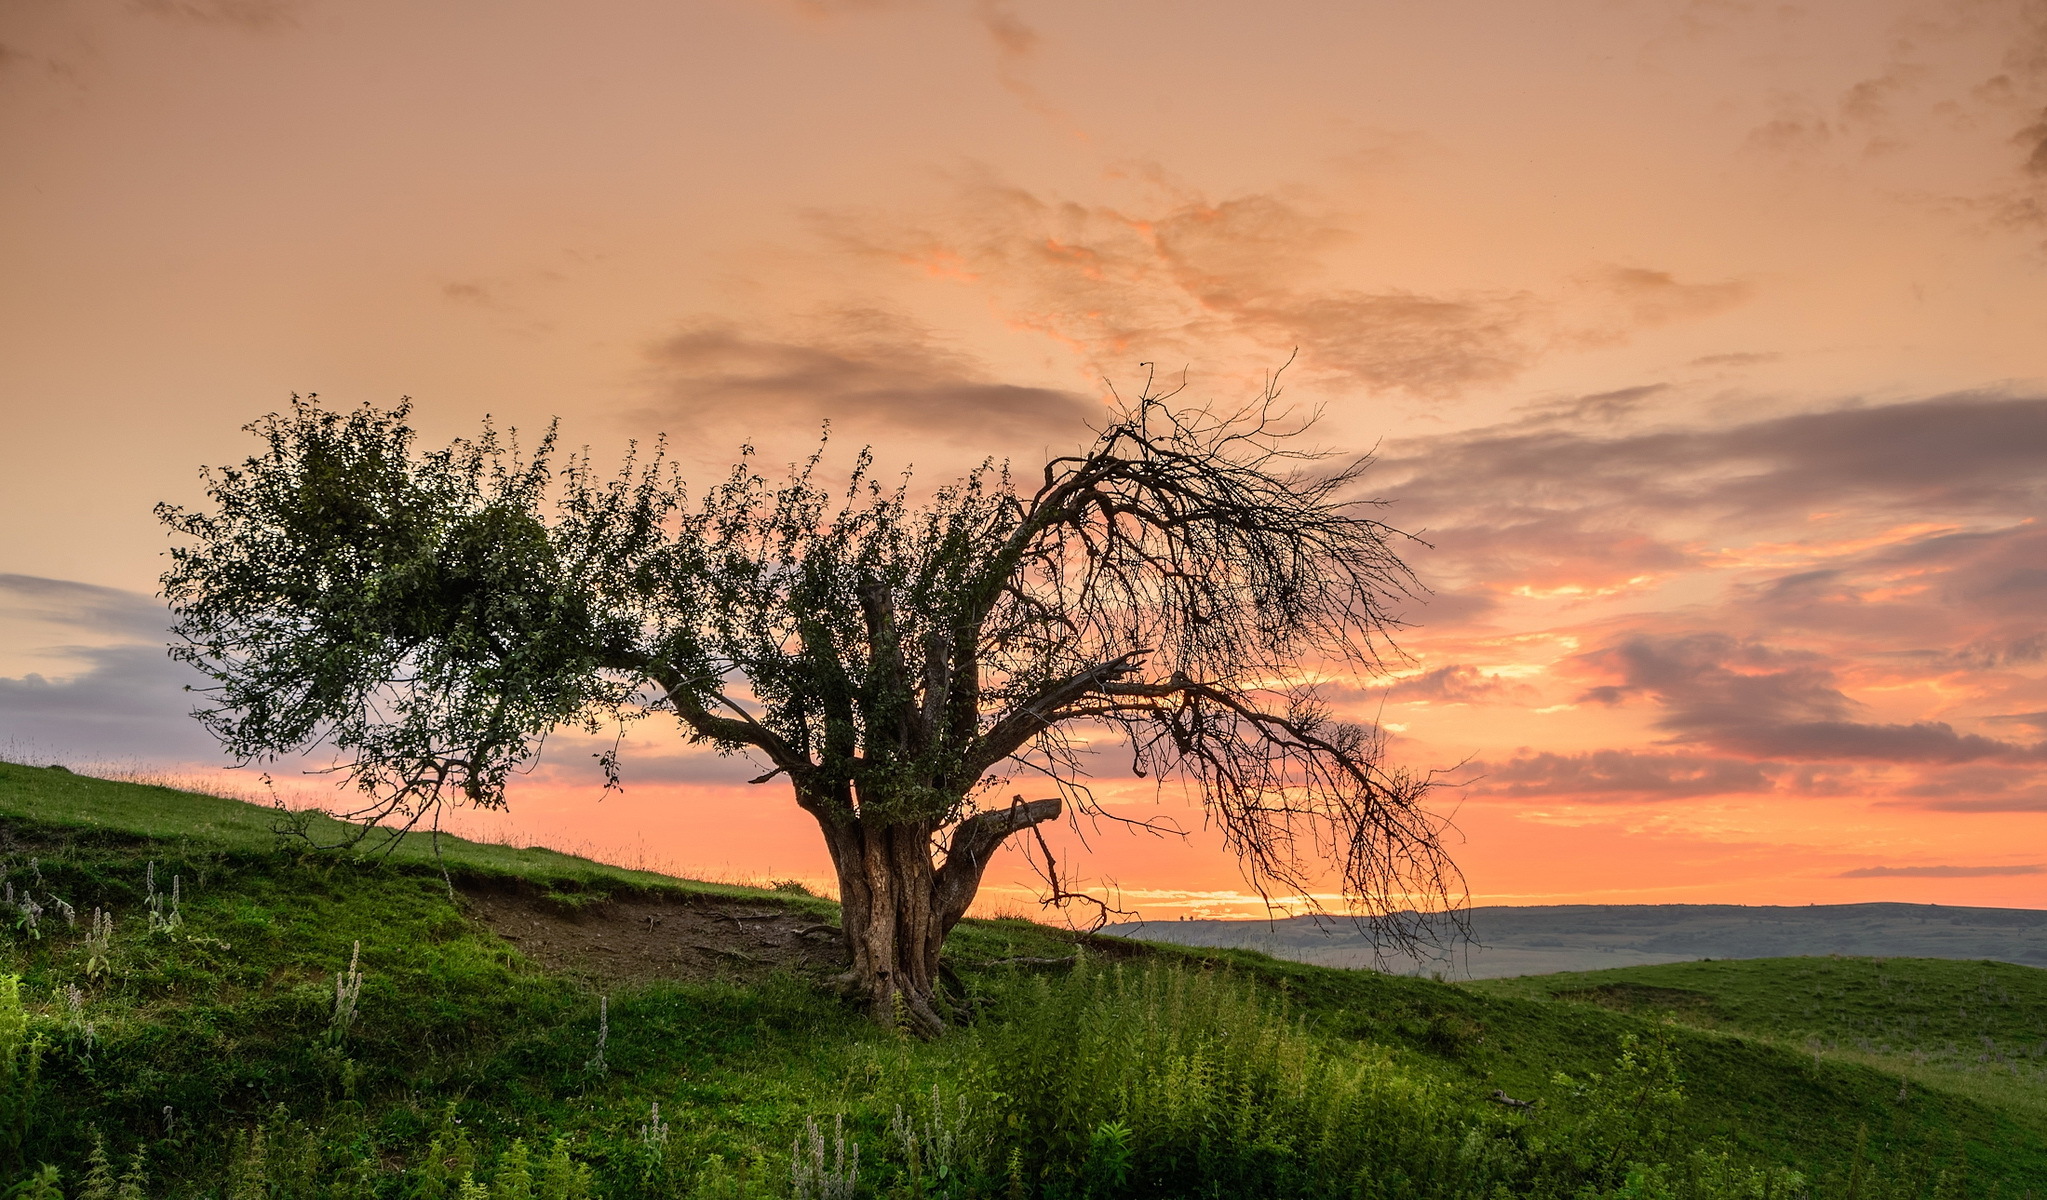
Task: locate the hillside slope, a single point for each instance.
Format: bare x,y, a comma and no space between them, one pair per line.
536,1027
1971,1028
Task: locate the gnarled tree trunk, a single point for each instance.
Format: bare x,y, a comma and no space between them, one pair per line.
897,904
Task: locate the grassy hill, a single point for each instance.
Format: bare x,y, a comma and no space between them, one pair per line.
1969,1028
531,1026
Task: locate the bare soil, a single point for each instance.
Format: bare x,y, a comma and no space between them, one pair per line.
640,938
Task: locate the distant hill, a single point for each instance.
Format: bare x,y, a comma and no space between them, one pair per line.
1587,937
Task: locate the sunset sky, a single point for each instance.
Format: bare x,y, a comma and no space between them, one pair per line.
1704,343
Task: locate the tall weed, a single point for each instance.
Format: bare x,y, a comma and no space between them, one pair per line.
21,1056
1152,1080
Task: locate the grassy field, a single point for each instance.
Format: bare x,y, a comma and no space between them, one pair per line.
531,1026
1976,1029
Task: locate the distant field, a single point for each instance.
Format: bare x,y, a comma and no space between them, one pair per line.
1590,937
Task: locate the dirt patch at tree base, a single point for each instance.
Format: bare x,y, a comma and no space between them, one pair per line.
642,938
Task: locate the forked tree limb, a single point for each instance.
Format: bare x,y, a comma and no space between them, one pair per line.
973,844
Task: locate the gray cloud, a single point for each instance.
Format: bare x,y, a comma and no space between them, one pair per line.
1940,872
1524,547
1620,775
128,703
1599,406
1427,345
1990,785
1965,451
570,758
2033,720
1757,701
1969,451
2034,801
1919,742
106,611
1969,599
862,369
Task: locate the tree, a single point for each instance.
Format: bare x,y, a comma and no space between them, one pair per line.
430,617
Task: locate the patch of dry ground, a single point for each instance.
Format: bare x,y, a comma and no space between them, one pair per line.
648,936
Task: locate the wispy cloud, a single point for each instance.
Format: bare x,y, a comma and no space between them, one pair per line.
859,368
1967,451
1458,684
1619,775
105,611
1941,872
1650,297
253,16
827,10
1198,278
1557,503
2034,720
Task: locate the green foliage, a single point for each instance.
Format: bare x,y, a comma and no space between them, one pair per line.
1156,1080
561,1177
514,1178
39,1184
281,1158
1106,1169
450,1157
1627,1113
134,1181
336,562
99,1182
21,1057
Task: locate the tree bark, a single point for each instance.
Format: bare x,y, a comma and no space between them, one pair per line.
897,905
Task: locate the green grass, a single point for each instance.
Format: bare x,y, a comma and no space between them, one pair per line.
213,1056
58,800
1976,1029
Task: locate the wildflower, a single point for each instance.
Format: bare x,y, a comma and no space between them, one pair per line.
810,1177
99,941
654,1134
74,1017
347,990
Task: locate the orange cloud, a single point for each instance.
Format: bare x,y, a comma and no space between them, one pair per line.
1200,279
